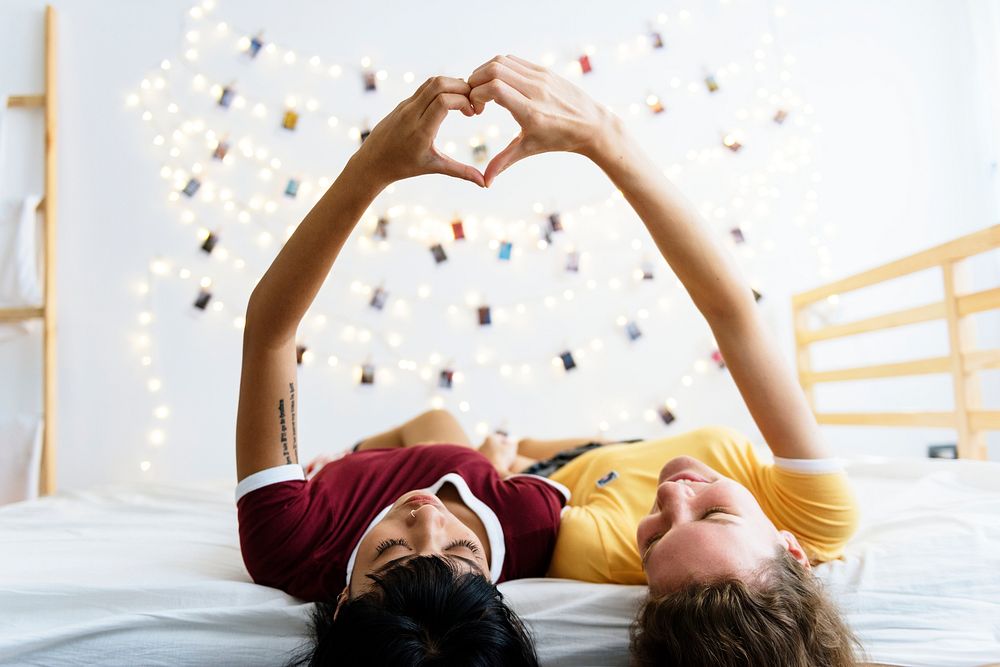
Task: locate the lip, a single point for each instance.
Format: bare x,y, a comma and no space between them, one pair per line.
422,499
689,476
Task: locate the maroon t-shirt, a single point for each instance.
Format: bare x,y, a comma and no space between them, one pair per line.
298,535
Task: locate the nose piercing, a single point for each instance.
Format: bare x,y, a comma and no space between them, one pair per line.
413,513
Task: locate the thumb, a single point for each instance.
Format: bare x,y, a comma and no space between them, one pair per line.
508,156
451,167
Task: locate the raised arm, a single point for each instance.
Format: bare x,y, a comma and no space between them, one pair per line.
400,146
556,115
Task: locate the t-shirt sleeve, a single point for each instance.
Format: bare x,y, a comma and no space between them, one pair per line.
579,552
529,510
280,527
817,506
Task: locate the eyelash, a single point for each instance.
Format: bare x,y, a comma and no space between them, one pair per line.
465,543
386,544
709,512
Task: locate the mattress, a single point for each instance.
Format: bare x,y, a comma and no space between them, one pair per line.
152,575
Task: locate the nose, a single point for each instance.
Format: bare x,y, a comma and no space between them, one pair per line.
672,499
427,521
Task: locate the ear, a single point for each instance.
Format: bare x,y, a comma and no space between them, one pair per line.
341,599
794,548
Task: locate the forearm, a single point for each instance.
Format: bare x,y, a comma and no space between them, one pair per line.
706,270
285,292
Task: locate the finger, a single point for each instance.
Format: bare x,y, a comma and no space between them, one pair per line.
507,61
513,78
437,85
508,156
503,94
440,106
525,63
451,167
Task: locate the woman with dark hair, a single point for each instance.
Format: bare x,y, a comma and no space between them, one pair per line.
418,525
725,541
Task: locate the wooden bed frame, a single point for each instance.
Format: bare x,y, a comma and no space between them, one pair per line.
962,362
46,311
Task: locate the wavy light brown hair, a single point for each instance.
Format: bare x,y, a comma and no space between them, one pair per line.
781,616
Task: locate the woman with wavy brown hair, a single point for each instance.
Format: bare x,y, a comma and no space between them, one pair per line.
724,540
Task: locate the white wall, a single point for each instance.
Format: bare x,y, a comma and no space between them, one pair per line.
905,157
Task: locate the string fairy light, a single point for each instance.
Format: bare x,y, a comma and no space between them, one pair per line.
190,144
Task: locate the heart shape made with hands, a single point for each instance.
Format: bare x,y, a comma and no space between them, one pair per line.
552,113
485,159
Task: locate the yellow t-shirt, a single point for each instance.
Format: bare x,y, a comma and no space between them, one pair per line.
614,486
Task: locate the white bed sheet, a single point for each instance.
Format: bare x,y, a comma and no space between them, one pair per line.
152,575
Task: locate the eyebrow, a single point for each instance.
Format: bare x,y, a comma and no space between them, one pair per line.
402,560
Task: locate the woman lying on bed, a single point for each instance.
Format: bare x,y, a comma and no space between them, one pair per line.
404,545
724,542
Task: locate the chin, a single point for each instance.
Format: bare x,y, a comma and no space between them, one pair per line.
686,464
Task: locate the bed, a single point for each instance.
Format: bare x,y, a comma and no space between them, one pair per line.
152,575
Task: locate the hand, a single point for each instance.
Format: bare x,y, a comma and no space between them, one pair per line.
554,115
401,145
500,450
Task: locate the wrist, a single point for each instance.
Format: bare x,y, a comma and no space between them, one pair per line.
366,173
608,139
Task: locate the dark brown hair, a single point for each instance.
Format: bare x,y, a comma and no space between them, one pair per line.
781,616
422,612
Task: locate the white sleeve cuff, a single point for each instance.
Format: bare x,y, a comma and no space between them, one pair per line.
261,478
815,466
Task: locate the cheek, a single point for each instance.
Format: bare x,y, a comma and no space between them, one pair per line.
645,530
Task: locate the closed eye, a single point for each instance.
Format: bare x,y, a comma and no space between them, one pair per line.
469,544
385,545
709,512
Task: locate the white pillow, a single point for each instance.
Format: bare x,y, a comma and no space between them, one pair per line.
20,457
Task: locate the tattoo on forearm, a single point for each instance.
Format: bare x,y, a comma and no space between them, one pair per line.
291,406
284,434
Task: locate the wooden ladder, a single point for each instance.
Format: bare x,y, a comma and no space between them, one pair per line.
46,311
